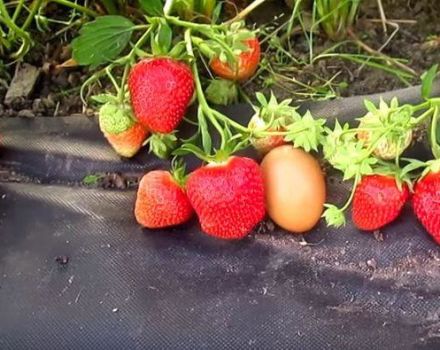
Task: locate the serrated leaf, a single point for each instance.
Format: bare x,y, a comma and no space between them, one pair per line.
334,216
102,40
306,133
152,7
427,81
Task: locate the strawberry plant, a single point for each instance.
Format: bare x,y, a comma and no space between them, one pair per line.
370,156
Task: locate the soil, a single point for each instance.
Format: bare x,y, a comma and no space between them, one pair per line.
57,90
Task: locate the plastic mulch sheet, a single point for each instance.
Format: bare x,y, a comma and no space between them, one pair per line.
77,272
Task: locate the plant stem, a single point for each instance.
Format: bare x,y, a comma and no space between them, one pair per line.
121,93
75,6
168,7
199,91
424,116
353,190
242,15
26,40
17,10
34,8
434,144
194,26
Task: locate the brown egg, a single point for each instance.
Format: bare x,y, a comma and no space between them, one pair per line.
295,188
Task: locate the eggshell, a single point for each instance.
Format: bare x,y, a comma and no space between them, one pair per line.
295,188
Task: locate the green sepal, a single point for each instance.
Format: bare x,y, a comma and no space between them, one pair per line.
115,118
222,92
162,145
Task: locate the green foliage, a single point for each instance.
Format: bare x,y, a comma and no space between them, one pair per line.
336,16
428,80
102,40
91,179
222,92
152,7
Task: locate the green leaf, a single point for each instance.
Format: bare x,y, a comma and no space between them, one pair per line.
203,127
104,98
216,13
102,40
334,216
306,132
164,37
261,99
152,7
370,106
427,81
91,179
163,144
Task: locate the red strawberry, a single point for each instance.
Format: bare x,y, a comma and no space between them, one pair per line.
377,202
160,90
246,65
228,197
161,201
426,203
124,134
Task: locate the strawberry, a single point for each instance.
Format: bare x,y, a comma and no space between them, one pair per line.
271,116
426,203
387,148
377,201
161,201
160,90
124,134
245,66
267,143
389,127
228,197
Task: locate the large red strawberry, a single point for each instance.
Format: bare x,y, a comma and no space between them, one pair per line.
426,203
124,134
161,201
245,66
377,201
228,197
160,90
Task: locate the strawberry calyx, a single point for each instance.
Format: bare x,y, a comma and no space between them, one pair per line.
162,145
222,92
115,118
178,172
387,130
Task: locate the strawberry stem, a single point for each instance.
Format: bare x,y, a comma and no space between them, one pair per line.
423,117
357,179
434,144
168,7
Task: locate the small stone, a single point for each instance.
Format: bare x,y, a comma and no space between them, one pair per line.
37,105
22,83
74,79
26,113
378,235
49,101
62,260
371,263
115,310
